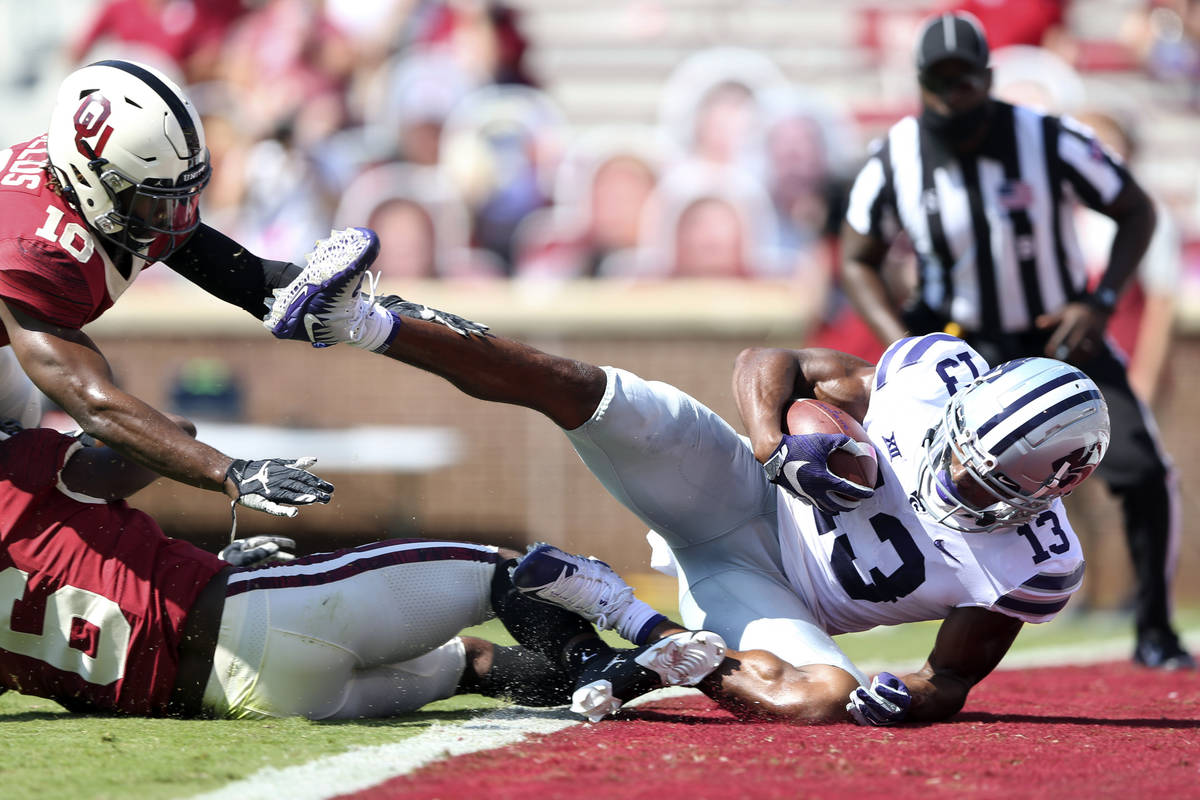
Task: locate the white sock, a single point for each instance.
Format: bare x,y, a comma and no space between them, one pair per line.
637,621
377,330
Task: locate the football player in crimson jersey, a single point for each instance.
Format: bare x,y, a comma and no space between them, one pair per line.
775,553
100,611
111,188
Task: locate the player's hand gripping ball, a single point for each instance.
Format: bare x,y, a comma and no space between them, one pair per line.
825,457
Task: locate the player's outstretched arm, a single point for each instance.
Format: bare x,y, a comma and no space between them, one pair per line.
103,473
67,366
969,645
756,684
227,270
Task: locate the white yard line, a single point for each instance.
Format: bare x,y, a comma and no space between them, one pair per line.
365,767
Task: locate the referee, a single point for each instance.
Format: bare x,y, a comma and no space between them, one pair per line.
985,191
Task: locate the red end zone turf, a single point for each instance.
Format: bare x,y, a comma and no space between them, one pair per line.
1111,730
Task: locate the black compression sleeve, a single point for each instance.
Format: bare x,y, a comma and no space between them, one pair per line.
225,269
522,676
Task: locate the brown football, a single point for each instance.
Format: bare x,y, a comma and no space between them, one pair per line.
807,415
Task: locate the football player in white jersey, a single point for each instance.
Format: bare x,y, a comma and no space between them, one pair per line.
965,523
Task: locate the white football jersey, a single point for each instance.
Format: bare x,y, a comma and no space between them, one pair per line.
885,563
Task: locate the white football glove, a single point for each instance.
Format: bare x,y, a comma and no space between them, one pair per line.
257,551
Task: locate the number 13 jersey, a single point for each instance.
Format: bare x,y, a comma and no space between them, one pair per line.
886,563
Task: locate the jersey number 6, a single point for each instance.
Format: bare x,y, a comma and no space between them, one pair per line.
79,632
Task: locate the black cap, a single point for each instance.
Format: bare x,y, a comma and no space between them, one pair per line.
957,35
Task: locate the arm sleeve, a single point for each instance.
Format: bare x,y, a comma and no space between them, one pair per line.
225,269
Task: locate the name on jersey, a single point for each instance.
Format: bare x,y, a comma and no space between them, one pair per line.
28,167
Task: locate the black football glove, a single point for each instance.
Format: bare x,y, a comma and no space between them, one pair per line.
403,308
274,485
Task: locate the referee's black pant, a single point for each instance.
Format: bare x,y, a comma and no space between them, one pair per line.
1136,469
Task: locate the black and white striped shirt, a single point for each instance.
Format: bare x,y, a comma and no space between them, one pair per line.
993,230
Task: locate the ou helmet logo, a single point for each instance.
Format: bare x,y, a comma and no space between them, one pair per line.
90,119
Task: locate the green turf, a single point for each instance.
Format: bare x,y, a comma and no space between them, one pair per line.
46,753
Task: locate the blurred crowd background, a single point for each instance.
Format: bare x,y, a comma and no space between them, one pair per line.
546,140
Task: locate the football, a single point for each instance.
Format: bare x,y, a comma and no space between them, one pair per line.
813,416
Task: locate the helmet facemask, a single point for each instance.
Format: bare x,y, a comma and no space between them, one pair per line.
964,505
153,218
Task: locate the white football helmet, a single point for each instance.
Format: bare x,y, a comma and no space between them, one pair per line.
129,150
1011,443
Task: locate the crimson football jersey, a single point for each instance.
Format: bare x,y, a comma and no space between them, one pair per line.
93,595
51,266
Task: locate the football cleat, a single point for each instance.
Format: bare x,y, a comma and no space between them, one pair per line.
586,586
615,677
325,304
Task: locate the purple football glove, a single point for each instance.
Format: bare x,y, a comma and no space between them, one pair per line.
799,464
885,703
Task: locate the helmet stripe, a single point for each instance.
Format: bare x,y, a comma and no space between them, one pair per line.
1021,402
190,136
1042,418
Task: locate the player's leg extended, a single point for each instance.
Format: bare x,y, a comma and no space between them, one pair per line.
625,429
539,673
332,301
295,636
672,461
503,370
